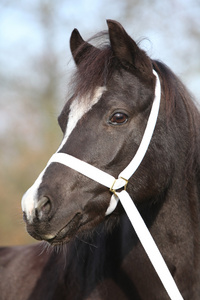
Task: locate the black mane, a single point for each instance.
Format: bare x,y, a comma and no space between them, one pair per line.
177,99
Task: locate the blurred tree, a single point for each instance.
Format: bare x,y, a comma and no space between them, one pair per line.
31,122
173,27
33,76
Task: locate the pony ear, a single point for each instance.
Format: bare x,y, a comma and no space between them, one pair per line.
126,50
78,46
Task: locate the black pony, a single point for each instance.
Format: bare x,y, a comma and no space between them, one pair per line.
99,256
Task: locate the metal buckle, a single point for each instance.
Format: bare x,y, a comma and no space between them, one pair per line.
111,188
125,185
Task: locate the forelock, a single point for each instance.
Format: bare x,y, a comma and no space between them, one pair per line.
95,68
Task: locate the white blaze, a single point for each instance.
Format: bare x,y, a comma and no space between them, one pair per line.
78,109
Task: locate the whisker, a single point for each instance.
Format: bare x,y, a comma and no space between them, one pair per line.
86,242
45,247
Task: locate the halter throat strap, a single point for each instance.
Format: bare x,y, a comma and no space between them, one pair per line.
115,184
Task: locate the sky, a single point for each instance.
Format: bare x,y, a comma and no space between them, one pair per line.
163,26
21,36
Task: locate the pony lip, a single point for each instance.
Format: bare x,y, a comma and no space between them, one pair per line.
67,232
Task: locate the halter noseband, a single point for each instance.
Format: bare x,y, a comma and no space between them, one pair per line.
129,206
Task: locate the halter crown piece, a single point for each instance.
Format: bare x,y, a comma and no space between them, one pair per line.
126,201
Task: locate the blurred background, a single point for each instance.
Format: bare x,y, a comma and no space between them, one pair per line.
35,64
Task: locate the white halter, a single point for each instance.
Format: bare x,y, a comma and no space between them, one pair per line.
129,206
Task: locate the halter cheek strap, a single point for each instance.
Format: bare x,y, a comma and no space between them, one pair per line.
121,182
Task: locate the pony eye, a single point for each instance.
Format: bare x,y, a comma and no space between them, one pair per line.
118,118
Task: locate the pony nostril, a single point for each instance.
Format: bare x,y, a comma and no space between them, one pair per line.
43,207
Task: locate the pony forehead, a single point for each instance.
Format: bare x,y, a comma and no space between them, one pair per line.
78,108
